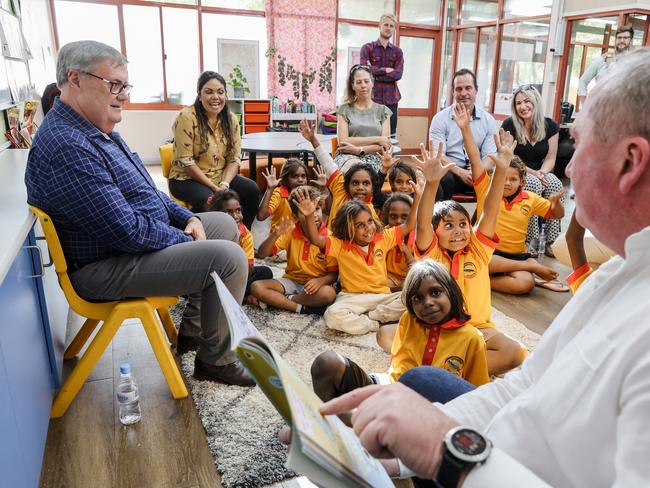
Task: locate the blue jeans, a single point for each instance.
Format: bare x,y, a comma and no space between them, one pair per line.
436,385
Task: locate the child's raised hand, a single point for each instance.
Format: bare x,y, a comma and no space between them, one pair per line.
505,149
417,187
307,130
305,205
285,226
431,163
555,197
271,178
387,160
321,176
461,115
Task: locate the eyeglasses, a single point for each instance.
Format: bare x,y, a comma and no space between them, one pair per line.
357,67
116,87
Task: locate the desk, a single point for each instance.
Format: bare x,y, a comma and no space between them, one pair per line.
273,143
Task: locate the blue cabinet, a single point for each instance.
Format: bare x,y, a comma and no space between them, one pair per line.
26,380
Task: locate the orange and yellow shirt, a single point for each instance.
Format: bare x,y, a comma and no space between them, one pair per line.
396,264
246,243
279,207
361,271
304,260
454,346
575,279
469,267
340,196
512,221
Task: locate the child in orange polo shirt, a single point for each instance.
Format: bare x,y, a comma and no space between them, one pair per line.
511,267
359,243
433,331
228,202
575,236
306,286
396,211
275,201
358,183
445,234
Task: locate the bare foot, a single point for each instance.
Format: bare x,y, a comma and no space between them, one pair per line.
542,271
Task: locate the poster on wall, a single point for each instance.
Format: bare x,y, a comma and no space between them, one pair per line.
18,77
233,53
11,36
354,56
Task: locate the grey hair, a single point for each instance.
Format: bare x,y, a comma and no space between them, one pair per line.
538,123
619,105
84,56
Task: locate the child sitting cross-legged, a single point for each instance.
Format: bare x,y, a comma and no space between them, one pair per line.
445,234
228,202
306,286
360,244
433,331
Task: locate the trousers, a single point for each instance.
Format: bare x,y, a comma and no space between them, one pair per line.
181,269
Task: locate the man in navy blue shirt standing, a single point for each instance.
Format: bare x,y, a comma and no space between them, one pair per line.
121,236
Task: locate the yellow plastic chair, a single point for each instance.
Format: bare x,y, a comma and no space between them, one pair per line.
166,157
335,145
112,314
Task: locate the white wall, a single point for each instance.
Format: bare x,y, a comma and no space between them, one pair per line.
145,130
573,7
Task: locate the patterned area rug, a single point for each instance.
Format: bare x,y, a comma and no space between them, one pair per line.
242,425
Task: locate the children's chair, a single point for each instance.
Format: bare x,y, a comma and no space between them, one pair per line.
335,145
112,314
166,156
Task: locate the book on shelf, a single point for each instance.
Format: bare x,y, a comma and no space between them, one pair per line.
322,448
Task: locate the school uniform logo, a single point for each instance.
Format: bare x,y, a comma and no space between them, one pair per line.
320,257
454,364
469,269
525,209
379,254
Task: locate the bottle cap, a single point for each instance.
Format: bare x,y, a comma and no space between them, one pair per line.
125,368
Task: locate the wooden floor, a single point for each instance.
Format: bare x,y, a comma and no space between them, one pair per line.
168,448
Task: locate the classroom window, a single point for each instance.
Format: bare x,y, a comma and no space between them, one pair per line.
451,12
365,9
466,49
181,36
145,58
526,8
486,56
72,23
424,12
447,66
350,40
523,55
415,85
478,11
235,4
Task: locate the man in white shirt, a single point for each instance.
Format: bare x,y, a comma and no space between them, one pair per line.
444,129
600,66
577,413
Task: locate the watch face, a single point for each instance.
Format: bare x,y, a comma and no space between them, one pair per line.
467,445
468,442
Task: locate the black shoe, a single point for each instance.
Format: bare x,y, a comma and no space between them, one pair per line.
313,310
230,374
185,343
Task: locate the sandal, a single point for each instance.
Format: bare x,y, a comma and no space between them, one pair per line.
548,251
553,285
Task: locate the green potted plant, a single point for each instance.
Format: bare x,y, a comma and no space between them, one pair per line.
238,81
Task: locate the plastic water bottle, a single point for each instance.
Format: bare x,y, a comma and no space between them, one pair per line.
127,396
541,242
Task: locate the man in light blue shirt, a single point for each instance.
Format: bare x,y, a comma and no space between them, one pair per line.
444,129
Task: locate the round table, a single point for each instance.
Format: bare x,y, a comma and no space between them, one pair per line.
274,143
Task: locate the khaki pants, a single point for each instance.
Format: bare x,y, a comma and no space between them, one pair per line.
181,269
360,313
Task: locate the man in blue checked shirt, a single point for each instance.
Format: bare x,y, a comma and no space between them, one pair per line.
121,236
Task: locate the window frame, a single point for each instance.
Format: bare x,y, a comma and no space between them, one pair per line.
165,105
570,20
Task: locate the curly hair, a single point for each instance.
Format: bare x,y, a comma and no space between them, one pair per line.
394,197
290,168
217,201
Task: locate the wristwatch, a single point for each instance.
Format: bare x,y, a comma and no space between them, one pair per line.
464,448
362,152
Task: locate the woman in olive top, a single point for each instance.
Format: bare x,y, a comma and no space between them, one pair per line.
207,150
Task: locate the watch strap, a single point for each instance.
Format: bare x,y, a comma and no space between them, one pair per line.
449,471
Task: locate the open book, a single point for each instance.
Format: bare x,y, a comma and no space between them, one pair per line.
322,448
